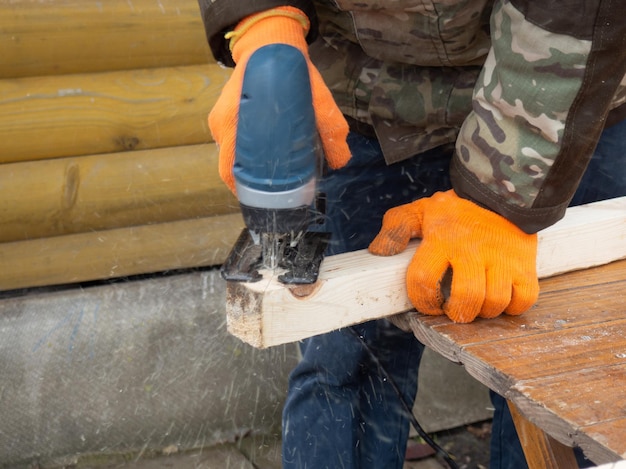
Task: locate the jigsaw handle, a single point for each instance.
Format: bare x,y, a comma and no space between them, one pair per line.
276,153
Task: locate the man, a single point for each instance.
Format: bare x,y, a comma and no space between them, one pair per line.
511,96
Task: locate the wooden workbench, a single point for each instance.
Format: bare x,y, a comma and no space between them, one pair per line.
561,365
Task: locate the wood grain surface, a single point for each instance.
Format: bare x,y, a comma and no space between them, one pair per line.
81,36
562,363
100,192
119,252
358,286
73,115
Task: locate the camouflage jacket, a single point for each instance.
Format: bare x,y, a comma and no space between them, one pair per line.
523,88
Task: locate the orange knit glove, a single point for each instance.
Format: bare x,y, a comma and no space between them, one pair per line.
493,262
283,25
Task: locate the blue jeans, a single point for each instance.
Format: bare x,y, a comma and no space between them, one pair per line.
605,178
340,410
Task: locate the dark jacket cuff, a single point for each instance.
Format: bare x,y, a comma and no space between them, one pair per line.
221,16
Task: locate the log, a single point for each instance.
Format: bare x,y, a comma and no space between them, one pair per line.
118,253
70,36
357,287
61,196
71,115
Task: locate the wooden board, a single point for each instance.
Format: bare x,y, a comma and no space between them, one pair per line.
118,253
357,287
70,115
612,433
562,363
602,389
99,192
554,352
452,340
588,235
79,36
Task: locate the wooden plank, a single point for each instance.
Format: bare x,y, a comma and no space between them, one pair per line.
118,253
585,305
561,363
607,273
587,396
576,242
98,192
72,36
267,313
542,317
611,433
565,373
583,400
541,450
356,287
70,115
545,328
545,354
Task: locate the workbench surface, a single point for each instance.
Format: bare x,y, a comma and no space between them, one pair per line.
562,364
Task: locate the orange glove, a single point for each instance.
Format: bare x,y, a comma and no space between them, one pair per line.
493,262
283,25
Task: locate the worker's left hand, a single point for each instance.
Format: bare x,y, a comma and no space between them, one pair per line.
493,262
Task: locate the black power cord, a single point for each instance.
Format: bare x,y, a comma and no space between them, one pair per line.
421,432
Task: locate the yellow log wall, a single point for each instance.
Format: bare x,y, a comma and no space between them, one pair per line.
118,253
68,115
57,37
100,192
107,165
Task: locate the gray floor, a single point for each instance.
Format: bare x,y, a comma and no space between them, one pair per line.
248,454
467,445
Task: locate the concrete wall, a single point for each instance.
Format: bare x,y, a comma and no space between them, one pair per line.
145,364
135,365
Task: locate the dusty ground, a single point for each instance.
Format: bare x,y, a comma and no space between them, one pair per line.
468,447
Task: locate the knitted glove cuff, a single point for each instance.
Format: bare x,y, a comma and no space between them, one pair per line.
287,24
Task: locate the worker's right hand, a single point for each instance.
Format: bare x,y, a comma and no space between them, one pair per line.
283,25
493,262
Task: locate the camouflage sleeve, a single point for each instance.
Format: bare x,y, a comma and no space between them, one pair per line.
539,106
221,16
